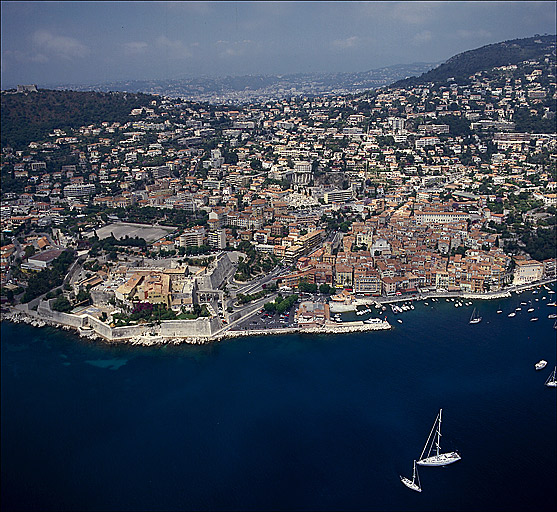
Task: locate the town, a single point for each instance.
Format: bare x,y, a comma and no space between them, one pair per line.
190,220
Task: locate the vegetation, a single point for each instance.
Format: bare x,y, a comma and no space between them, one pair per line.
280,305
31,117
306,287
62,304
541,244
462,66
244,299
255,262
145,312
49,278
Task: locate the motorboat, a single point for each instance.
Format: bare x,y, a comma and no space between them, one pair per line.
540,365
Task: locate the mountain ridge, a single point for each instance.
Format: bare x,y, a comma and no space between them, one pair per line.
465,64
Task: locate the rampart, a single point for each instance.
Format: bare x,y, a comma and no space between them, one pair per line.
216,273
202,327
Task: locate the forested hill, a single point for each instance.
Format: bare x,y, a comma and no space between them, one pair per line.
465,64
32,116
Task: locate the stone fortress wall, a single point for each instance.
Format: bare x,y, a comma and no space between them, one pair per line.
203,327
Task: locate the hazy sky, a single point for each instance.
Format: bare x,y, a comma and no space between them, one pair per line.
49,43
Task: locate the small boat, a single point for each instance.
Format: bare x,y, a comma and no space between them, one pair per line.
475,318
413,484
510,315
550,292
499,311
399,321
552,303
552,315
534,319
540,365
426,304
433,442
518,308
372,321
530,310
551,382
523,303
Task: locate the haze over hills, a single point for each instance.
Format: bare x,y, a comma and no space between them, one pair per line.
26,117
259,88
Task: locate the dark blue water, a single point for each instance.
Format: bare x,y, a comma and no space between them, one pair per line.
285,423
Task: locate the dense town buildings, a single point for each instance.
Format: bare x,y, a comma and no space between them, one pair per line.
380,194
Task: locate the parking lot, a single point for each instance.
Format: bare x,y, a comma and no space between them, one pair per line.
264,321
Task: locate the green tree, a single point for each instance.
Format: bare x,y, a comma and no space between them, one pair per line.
61,304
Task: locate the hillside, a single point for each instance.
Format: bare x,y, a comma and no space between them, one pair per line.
465,64
32,116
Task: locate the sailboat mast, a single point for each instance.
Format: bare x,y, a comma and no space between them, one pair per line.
415,476
431,439
438,442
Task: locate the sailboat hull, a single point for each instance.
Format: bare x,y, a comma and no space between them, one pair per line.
411,485
443,459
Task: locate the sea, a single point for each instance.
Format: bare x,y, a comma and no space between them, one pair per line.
297,422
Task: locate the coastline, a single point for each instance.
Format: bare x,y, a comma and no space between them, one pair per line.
33,318
148,340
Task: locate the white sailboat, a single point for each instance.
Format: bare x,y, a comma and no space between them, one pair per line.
551,382
433,448
413,484
475,318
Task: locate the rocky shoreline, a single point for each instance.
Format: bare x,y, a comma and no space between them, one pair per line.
147,340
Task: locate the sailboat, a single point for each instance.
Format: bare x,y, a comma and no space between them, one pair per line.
475,318
551,382
413,484
433,445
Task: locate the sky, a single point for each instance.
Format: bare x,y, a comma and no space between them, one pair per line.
80,42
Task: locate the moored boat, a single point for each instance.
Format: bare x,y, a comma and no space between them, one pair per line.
434,457
475,318
413,484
